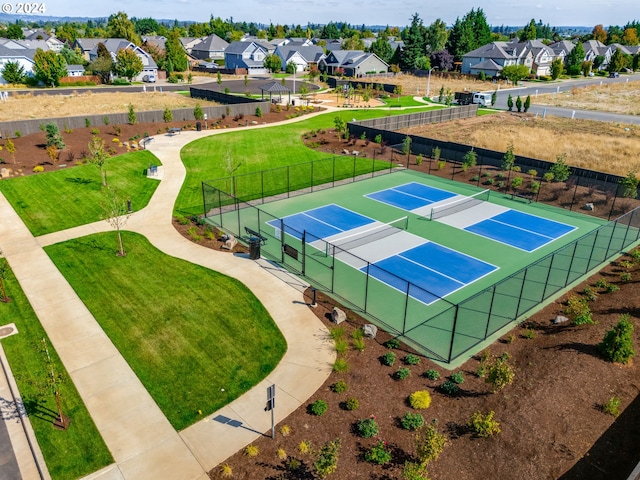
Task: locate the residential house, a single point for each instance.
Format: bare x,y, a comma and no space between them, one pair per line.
52,42
354,63
562,49
86,45
209,48
535,55
23,56
489,59
157,41
189,42
247,55
75,70
595,48
302,56
113,45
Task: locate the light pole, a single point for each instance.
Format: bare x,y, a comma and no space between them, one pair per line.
429,80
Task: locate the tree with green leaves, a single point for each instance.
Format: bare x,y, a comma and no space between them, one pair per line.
14,32
175,52
147,26
467,34
11,148
527,103
290,68
72,57
630,184
98,156
13,72
128,64
618,61
382,49
49,67
519,104
102,67
414,43
4,274
510,102
515,73
575,58
53,136
116,214
529,32
198,114
617,345
469,160
272,62
119,26
560,169
556,68
132,115
509,158
167,115
435,36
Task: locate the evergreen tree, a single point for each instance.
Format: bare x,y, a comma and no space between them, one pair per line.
175,53
382,48
468,34
529,32
414,44
436,36
575,59
13,72
618,61
480,27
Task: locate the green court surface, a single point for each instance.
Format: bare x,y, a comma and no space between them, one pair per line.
452,326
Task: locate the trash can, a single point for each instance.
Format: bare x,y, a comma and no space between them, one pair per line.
198,126
254,248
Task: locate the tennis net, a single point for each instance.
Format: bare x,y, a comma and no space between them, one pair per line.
458,205
363,237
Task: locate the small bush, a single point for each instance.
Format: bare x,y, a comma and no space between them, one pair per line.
318,408
367,427
411,359
341,365
105,120
578,309
432,374
95,131
341,346
378,454
450,388
499,374
251,450
304,447
441,164
226,471
38,169
393,343
590,294
533,173
388,359
457,378
402,373
351,404
483,425
339,387
414,471
281,454
258,112
285,430
529,334
17,133
327,461
87,122
358,344
336,333
420,399
429,444
612,406
612,288
412,421
617,345
625,277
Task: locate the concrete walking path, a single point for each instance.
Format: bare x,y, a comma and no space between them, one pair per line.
142,441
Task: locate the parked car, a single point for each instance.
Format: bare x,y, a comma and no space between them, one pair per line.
149,78
614,75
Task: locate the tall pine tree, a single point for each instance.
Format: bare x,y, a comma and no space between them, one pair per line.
414,43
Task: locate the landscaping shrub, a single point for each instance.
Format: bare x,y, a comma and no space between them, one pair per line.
378,454
617,345
341,365
420,399
412,421
339,387
304,447
429,444
285,430
358,344
578,309
38,169
411,359
483,425
414,471
341,346
402,373
388,359
500,374
351,404
318,408
251,450
457,378
281,454
449,388
327,460
393,343
612,406
367,427
336,333
432,374
226,471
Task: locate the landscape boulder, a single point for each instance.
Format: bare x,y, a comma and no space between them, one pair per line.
560,319
338,316
370,330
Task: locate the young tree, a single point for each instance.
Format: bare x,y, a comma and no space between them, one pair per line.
575,59
618,61
630,184
560,169
13,72
53,136
98,156
509,158
556,68
55,380
128,64
49,67
167,115
586,68
515,73
11,148
219,79
494,98
132,115
382,48
290,68
272,62
510,102
117,215
469,160
4,274
527,103
519,104
198,114
617,345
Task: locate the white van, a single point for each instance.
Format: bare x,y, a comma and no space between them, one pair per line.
483,99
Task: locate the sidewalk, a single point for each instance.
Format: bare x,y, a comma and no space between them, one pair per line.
143,443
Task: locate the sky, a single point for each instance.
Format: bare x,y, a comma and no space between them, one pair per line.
358,12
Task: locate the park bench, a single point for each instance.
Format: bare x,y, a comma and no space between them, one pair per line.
253,233
528,196
175,130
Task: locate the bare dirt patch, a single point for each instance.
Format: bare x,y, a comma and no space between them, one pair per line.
623,98
605,147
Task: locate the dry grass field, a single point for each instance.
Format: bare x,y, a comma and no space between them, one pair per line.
621,98
605,147
27,106
410,83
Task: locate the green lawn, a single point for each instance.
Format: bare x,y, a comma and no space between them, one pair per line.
406,101
259,149
187,332
67,198
69,454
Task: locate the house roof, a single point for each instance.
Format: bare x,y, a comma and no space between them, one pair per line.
310,54
76,68
6,52
487,64
562,46
88,44
241,47
34,44
491,50
38,34
157,40
212,43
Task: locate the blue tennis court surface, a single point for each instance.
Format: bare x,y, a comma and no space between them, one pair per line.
433,270
521,230
410,196
321,222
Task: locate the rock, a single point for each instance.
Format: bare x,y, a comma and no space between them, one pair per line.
560,319
355,153
588,206
370,330
338,316
229,243
253,122
346,152
5,173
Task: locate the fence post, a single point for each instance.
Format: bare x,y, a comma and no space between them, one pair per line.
453,332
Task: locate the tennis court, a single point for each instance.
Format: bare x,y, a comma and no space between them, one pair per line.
443,264
386,252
